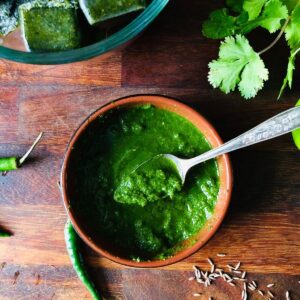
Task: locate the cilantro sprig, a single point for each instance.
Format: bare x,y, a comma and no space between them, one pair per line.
239,66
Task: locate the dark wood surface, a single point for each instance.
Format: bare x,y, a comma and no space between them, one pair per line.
261,228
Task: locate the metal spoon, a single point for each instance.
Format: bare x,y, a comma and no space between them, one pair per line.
281,124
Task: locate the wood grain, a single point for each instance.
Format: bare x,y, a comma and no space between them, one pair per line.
262,227
100,72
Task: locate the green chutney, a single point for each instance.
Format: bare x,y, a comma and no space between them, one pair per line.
153,180
109,150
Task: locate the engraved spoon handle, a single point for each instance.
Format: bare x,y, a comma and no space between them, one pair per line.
281,124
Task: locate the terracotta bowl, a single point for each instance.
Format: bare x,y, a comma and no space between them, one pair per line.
212,224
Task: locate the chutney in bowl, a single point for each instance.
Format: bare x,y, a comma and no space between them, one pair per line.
109,145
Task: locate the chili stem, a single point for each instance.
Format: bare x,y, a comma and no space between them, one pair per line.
24,157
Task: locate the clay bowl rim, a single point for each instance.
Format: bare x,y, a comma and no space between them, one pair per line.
225,173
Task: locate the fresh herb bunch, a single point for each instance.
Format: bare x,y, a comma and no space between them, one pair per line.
239,66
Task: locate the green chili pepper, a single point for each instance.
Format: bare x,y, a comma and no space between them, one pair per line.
73,248
13,163
4,234
8,164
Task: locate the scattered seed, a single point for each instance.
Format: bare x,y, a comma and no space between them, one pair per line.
260,292
227,276
271,294
2,266
210,262
221,254
237,265
204,274
38,279
207,278
197,273
16,275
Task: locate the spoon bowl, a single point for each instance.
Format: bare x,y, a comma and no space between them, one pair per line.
182,165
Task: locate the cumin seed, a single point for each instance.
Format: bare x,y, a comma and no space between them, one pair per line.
271,294
260,292
210,262
237,265
221,254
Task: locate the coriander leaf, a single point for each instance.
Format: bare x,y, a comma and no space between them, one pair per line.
292,31
290,72
296,133
253,8
272,15
270,19
242,19
235,5
290,4
219,24
238,65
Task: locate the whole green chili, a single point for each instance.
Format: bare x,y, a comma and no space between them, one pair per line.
73,248
13,163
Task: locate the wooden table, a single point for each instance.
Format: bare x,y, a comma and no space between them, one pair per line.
262,226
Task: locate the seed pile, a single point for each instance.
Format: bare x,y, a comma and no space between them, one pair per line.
234,276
